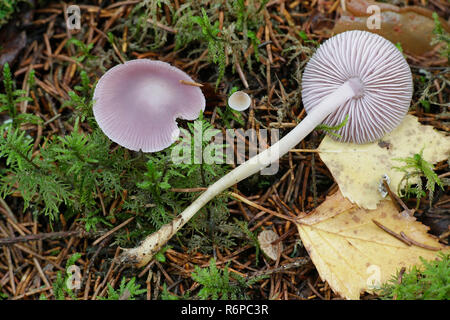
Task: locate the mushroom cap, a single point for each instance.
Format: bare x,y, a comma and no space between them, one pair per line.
137,104
378,66
239,101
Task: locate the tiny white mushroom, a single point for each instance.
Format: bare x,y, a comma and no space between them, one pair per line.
239,101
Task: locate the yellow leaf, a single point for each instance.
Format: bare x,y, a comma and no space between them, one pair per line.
359,168
352,253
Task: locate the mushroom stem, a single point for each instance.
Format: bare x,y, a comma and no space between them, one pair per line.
152,244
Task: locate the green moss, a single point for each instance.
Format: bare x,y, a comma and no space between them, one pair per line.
417,167
441,36
7,9
220,284
430,282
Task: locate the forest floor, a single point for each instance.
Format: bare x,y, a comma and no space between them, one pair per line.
78,199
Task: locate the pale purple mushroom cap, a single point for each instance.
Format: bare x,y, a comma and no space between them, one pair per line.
380,73
137,104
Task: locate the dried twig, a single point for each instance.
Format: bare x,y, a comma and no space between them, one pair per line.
418,244
46,236
190,83
110,232
392,233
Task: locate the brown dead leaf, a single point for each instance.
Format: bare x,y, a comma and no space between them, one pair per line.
412,26
352,253
12,41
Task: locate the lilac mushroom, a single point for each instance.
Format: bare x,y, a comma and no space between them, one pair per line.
137,104
356,73
369,81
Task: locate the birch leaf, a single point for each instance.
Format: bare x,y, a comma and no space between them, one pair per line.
359,168
352,253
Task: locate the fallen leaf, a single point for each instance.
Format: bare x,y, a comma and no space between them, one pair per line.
358,168
12,41
412,26
265,239
352,253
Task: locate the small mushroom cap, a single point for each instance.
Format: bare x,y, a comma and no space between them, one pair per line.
137,104
375,67
239,101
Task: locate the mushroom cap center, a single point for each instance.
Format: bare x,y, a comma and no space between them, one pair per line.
358,87
155,95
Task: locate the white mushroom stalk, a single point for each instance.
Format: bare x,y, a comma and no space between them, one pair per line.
357,71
